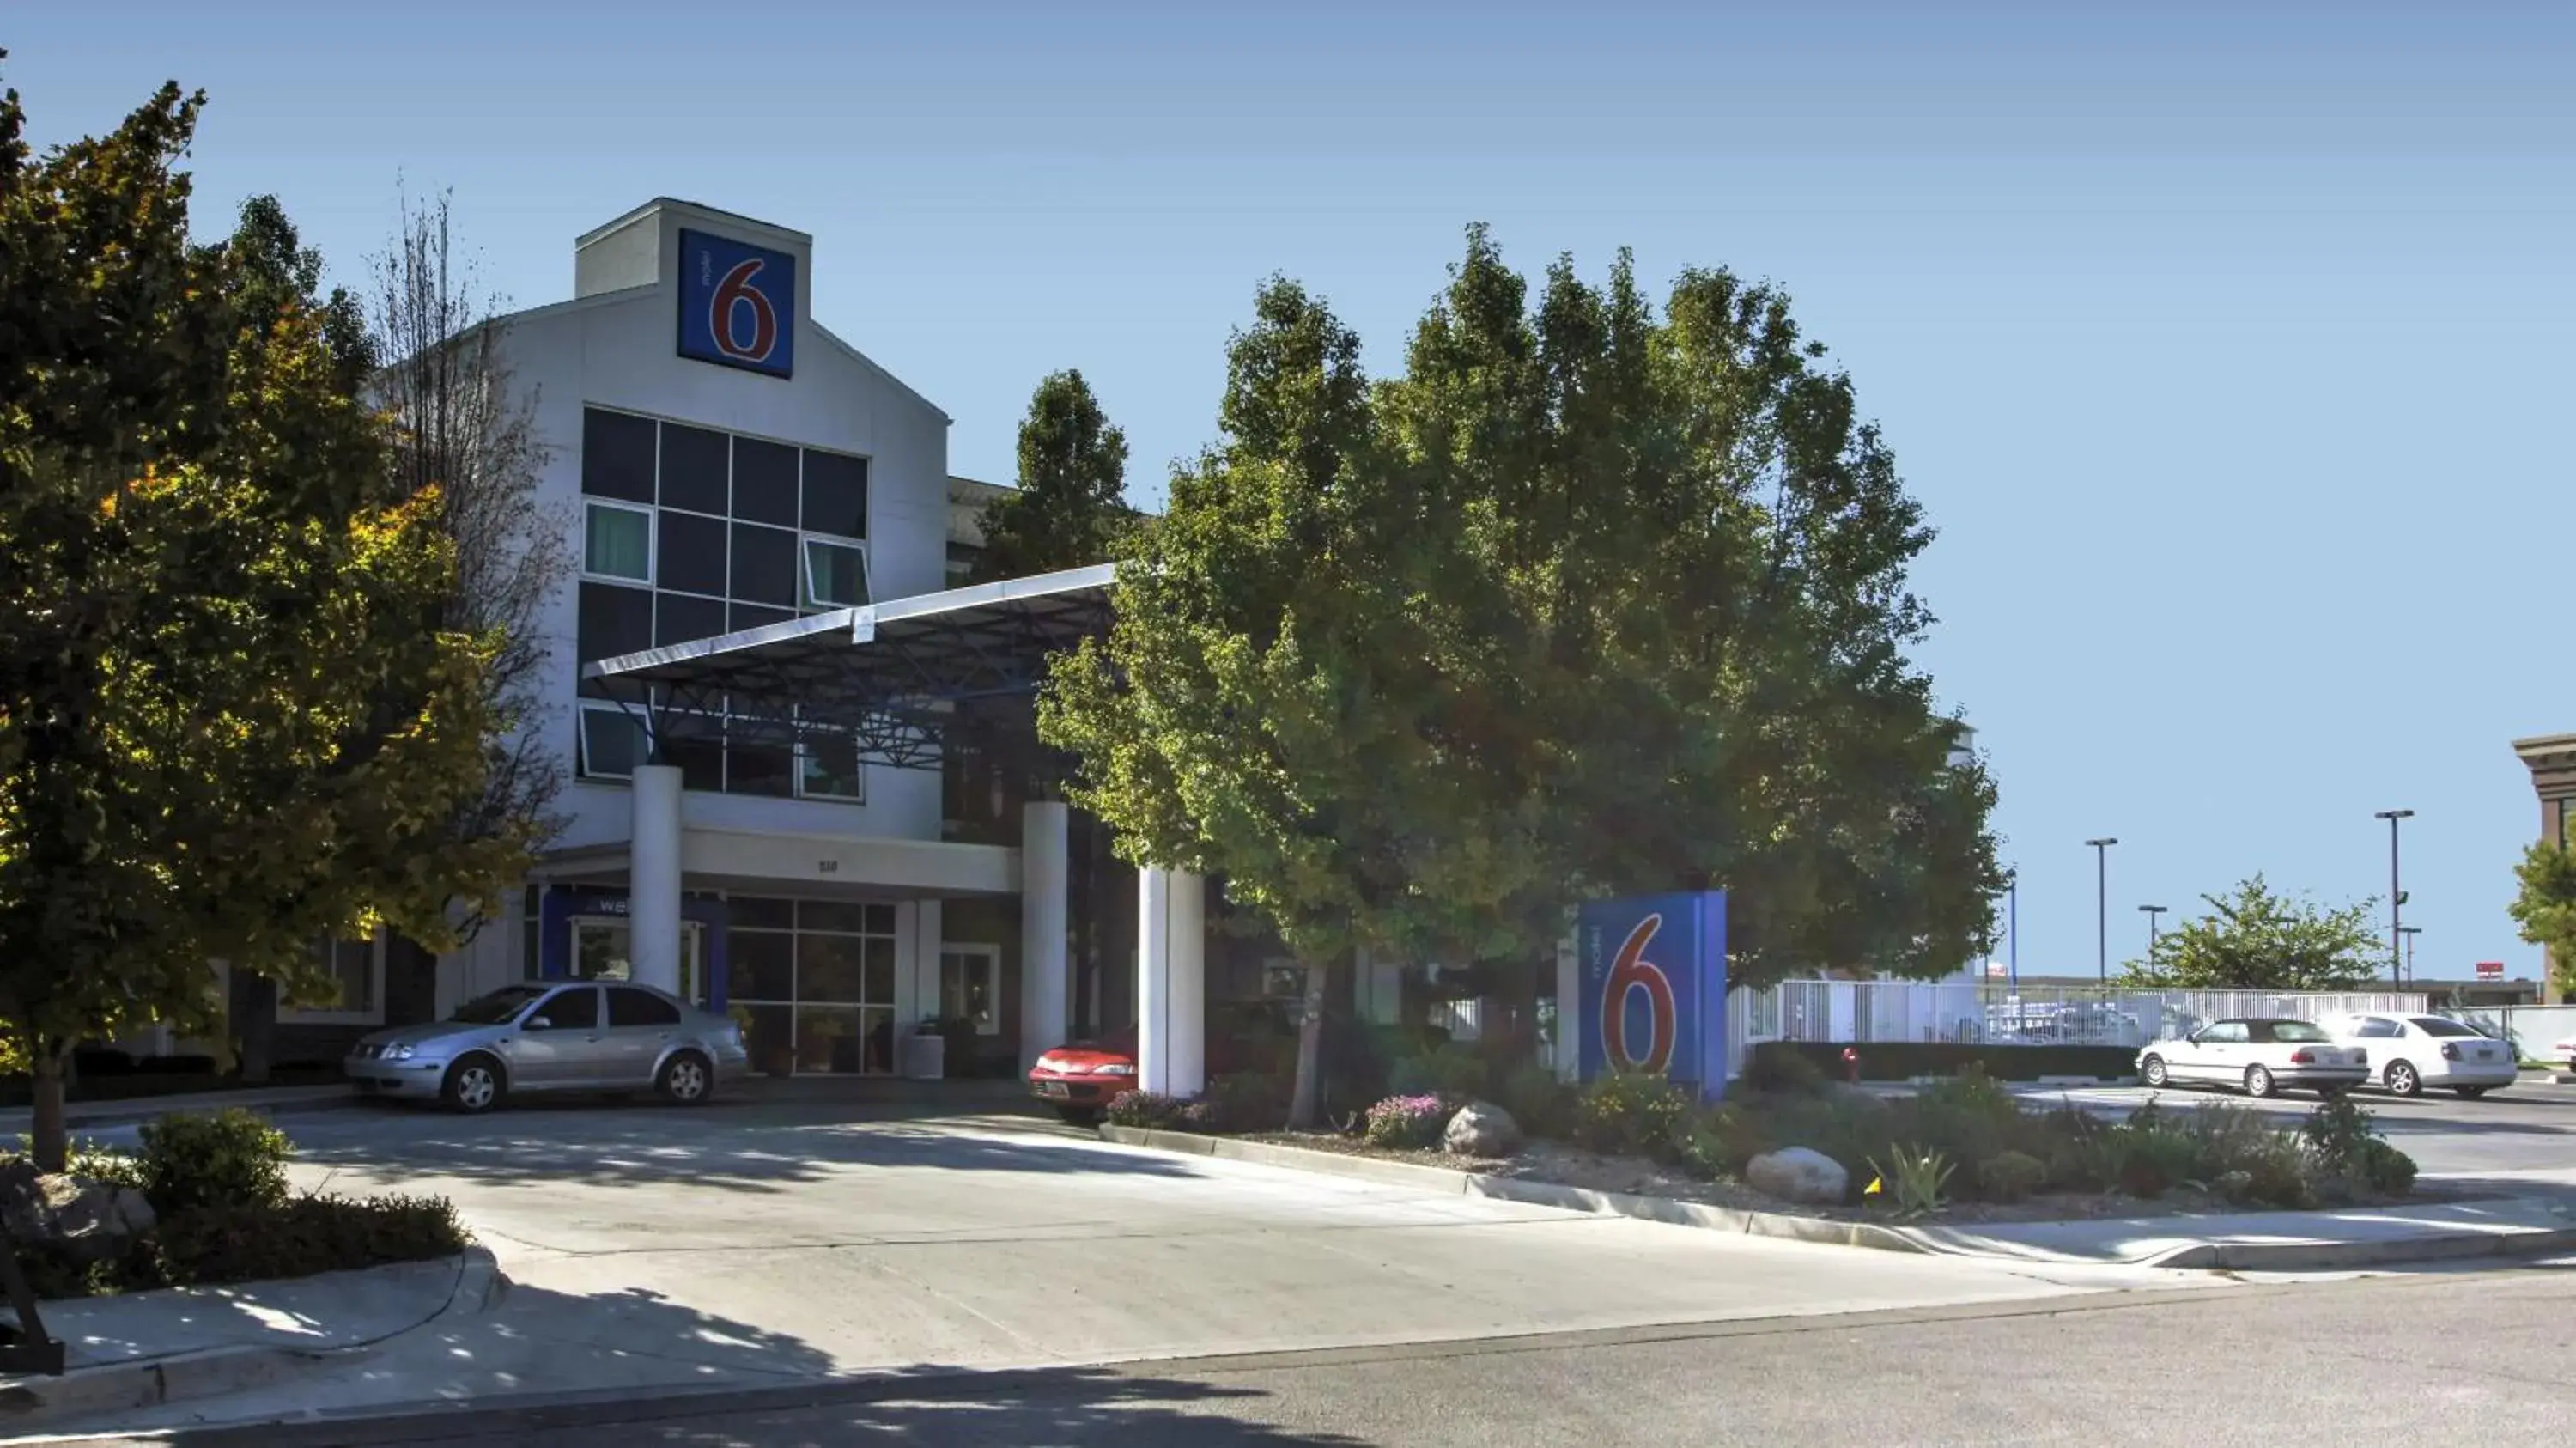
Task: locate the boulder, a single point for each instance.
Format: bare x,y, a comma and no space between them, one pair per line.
1798,1174
1482,1129
89,1221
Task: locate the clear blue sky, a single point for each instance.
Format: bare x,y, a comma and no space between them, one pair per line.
2225,343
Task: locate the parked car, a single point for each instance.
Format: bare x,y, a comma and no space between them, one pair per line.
578,1036
1080,1078
2256,1055
2563,1052
2409,1053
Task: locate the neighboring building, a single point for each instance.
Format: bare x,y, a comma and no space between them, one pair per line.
2551,758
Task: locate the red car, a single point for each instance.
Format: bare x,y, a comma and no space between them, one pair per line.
1081,1078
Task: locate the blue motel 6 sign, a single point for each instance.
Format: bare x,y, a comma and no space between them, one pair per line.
1653,985
737,304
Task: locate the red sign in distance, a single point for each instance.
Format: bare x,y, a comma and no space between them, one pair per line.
2490,970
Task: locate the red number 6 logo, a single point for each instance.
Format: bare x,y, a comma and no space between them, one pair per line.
734,290
1630,971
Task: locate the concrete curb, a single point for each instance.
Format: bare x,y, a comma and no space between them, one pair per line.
147,1108
2310,1256
31,1404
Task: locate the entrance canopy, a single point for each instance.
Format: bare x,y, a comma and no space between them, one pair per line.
889,678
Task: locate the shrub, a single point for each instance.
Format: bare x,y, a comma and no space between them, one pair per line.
1441,1070
1788,1071
1543,1105
1632,1114
1247,1101
1915,1179
1149,1109
95,1161
232,1158
2386,1170
1907,1060
2010,1176
1407,1121
302,1236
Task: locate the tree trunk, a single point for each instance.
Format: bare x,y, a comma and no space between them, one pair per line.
52,1142
256,1025
1310,1050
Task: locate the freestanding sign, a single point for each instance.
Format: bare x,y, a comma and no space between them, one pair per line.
737,304
1653,984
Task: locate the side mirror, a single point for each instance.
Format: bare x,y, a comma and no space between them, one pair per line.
536,1023
2193,1038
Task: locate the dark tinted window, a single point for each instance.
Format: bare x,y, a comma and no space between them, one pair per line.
612,742
628,1006
696,744
574,1009
761,965
678,618
2443,1026
614,620
693,469
617,455
764,565
2293,1031
499,1006
692,554
760,769
759,910
836,494
831,915
764,482
752,615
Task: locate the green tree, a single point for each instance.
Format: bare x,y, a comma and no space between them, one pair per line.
2254,939
2544,905
1584,603
1070,508
229,722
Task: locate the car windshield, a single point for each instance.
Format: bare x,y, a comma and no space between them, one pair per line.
2438,1026
499,1006
2296,1031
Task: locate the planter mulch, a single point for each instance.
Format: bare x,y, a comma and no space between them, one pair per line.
1561,1165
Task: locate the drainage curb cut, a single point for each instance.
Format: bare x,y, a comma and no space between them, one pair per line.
2203,1256
30,1403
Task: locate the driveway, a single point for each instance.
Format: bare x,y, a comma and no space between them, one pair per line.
739,1244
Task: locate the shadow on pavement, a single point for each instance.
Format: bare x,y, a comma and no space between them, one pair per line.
544,1149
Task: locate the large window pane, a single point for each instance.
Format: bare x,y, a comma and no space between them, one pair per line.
836,574
693,469
739,616
829,1040
831,915
612,743
614,620
770,1033
693,554
764,482
764,565
828,968
836,494
760,769
761,965
829,769
762,911
616,455
679,618
877,976
696,744
617,542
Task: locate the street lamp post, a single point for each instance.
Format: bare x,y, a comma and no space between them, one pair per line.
2396,895
2410,932
2102,905
2012,927
2151,912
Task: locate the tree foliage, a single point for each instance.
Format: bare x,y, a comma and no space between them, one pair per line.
2544,905
2254,939
231,718
1586,602
1070,509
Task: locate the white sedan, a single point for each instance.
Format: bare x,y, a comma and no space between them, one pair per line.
2257,1055
2409,1053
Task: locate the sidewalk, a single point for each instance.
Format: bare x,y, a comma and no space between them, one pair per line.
147,1348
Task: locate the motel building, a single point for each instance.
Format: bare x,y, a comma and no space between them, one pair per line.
792,790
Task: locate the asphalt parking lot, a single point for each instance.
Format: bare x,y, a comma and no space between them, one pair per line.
2525,1132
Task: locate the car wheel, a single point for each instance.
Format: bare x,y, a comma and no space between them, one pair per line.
2152,1071
1079,1115
2402,1079
2469,1093
2258,1082
473,1085
685,1079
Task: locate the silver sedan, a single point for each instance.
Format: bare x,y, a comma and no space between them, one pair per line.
577,1036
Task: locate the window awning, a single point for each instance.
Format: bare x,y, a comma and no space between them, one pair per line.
890,678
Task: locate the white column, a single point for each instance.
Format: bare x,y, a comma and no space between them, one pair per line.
1045,992
1171,981
926,938
653,876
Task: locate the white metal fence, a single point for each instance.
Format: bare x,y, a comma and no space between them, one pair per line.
1982,1013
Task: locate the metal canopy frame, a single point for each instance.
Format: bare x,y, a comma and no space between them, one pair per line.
898,681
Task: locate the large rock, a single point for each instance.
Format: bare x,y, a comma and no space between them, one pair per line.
1798,1174
90,1221
1482,1129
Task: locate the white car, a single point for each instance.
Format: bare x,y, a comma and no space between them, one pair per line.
2409,1053
2563,1051
2258,1055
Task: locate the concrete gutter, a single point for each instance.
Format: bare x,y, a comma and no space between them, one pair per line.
38,1404
2285,1241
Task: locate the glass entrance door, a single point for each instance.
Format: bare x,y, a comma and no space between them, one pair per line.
602,950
